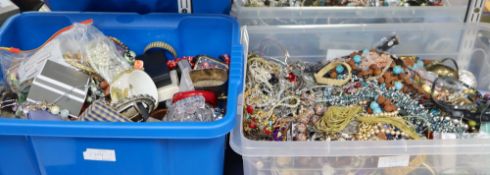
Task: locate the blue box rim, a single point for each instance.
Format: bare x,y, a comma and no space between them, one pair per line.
48,3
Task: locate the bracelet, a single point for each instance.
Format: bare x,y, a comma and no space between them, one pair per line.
161,45
320,79
130,107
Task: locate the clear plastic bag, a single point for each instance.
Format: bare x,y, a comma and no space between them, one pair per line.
12,64
192,109
80,46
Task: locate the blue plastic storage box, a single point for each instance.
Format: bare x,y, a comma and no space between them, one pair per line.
141,6
30,147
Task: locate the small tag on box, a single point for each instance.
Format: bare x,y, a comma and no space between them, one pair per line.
393,161
99,154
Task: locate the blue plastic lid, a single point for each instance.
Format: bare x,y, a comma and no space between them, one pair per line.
142,6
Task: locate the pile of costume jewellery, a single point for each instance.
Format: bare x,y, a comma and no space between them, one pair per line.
367,95
80,74
355,3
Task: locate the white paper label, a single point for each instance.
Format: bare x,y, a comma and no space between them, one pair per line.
35,63
99,154
445,136
393,161
337,53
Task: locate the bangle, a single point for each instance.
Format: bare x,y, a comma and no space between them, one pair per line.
135,107
162,45
320,79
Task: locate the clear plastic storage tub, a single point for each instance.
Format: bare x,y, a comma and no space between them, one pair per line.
468,43
32,147
452,11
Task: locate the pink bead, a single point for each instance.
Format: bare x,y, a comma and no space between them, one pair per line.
319,109
301,137
301,128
